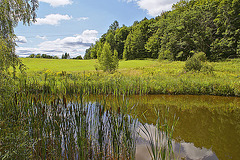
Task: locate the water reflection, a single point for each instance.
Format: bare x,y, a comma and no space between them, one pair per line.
181,150
208,126
190,152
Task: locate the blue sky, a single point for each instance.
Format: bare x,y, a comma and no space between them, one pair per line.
72,25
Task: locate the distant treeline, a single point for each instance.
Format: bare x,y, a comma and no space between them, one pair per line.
64,56
209,26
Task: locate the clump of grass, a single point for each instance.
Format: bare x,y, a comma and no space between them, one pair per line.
66,129
160,141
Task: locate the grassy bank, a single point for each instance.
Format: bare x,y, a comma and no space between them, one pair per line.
132,77
71,65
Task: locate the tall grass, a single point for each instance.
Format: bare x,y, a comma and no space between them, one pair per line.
54,126
160,139
120,84
66,129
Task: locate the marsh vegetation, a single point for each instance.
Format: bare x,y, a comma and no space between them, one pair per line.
103,108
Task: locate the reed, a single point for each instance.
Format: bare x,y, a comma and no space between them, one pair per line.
160,139
119,84
61,128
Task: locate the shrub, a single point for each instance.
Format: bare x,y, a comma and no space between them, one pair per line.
195,63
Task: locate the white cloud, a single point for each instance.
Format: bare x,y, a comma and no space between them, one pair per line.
193,152
128,1
154,7
56,3
82,18
41,37
52,19
21,39
74,45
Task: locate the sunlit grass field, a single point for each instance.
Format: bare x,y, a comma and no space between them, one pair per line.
133,77
71,65
231,68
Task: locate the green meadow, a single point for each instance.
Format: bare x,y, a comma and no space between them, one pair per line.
131,78
71,65
229,68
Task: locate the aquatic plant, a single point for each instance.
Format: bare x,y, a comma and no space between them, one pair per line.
160,139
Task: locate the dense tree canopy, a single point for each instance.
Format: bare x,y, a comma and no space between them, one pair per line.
208,26
12,12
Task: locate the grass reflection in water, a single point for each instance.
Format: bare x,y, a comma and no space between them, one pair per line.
55,128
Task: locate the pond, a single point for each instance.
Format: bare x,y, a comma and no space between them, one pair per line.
108,127
208,126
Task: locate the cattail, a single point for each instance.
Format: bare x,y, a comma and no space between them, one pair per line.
35,101
15,98
64,101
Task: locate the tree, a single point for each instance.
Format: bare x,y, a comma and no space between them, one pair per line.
88,53
209,26
111,40
120,38
134,46
96,50
66,56
78,57
108,61
136,40
13,11
31,56
113,27
228,29
38,56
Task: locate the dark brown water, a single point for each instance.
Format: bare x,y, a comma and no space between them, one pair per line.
208,127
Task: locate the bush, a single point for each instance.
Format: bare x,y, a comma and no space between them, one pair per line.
195,63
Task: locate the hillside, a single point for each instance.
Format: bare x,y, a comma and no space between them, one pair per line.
209,26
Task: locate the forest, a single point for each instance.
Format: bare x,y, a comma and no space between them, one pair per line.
208,26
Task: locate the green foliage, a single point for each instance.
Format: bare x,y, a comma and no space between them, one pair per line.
11,13
31,56
196,63
210,26
193,64
38,56
66,56
108,61
14,143
88,53
134,46
78,57
166,54
120,38
42,56
113,27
